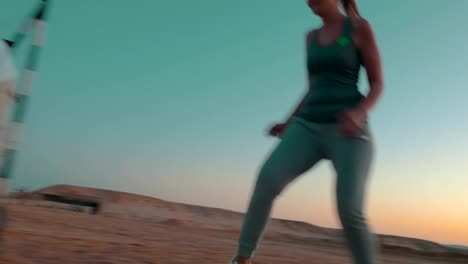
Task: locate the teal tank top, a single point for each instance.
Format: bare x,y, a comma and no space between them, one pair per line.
334,71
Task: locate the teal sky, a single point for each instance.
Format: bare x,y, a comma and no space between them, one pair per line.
172,99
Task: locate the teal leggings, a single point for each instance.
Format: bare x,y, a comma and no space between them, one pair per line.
302,146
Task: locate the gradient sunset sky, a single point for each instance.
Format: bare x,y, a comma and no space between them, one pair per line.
171,99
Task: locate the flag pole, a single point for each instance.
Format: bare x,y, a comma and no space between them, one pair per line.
37,23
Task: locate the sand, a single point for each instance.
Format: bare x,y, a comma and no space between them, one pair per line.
134,229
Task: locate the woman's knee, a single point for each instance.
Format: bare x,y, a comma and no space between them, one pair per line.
350,216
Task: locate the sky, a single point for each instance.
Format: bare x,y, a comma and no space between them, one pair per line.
172,99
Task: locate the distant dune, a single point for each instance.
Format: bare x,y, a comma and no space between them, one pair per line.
189,215
149,209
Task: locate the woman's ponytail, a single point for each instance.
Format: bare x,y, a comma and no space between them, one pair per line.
350,8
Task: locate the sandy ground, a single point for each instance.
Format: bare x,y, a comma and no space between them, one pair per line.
40,234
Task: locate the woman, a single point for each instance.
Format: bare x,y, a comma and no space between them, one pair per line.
329,123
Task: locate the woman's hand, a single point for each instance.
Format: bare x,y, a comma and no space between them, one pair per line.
277,130
352,121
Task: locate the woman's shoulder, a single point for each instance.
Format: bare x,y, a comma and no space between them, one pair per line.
361,25
362,31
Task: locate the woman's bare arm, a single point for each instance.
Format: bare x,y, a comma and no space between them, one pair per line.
370,54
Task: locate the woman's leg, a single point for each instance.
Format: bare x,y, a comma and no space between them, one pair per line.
352,158
298,151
